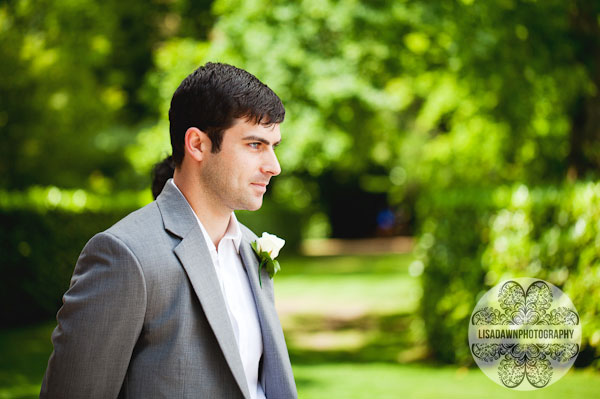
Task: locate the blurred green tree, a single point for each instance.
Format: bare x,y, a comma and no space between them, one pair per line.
452,92
398,97
71,78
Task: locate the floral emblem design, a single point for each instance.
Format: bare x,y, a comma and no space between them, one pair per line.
531,360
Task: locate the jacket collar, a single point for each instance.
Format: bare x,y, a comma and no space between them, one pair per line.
178,216
233,227
192,251
194,255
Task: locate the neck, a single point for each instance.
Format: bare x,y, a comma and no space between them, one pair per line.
215,219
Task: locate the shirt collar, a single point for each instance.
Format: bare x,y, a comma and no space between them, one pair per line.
233,231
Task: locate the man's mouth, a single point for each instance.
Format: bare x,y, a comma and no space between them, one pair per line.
260,186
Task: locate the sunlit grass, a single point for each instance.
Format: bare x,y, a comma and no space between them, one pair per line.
347,285
345,265
378,380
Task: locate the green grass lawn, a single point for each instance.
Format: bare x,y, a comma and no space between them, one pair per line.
376,380
340,284
353,332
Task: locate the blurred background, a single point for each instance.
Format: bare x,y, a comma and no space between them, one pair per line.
431,149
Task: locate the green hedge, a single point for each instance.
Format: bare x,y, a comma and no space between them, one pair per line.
472,239
39,251
43,232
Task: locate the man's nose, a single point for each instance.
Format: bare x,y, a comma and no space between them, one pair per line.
271,164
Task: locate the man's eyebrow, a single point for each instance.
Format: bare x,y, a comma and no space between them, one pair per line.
266,142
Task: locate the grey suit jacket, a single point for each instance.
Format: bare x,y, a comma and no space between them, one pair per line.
144,316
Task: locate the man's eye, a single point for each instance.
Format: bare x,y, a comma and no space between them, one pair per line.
254,145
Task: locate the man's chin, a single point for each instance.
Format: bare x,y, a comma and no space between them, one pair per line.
257,206
254,205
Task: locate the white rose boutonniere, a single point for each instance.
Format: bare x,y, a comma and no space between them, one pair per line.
267,249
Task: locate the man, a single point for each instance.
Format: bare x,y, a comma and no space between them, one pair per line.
167,302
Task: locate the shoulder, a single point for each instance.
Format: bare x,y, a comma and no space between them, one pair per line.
138,217
138,224
139,239
133,232
128,230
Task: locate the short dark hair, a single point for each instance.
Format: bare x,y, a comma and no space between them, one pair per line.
212,97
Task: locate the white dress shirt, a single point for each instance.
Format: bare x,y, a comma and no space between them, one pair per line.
239,299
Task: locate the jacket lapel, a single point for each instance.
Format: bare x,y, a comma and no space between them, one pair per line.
277,378
195,257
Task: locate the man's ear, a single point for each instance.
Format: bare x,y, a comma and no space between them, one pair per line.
197,144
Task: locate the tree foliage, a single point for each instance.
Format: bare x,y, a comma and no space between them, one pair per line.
407,93
453,92
72,75
401,97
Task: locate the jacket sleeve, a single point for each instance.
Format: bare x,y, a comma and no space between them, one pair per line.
98,324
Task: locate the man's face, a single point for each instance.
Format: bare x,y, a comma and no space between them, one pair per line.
238,174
